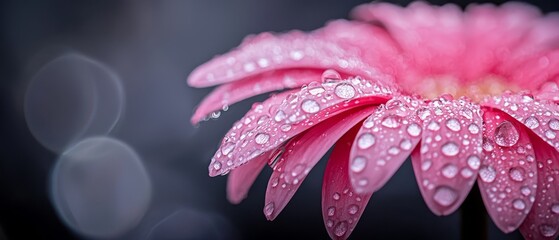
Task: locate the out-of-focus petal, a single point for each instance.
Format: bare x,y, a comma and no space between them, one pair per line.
540,116
338,46
341,207
302,153
507,176
241,179
228,94
543,220
450,141
383,143
278,119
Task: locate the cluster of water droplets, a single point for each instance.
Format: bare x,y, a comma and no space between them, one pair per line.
343,210
283,116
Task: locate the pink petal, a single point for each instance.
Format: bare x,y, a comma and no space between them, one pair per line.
241,179
549,91
341,207
384,142
507,177
543,220
273,122
329,48
541,116
300,156
449,145
228,94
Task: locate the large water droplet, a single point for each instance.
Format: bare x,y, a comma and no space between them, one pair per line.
433,126
227,148
547,230
453,124
473,128
531,122
366,140
518,204
487,174
280,116
555,208
262,138
450,149
506,134
310,106
216,166
525,191
423,113
449,170
473,162
549,134
413,130
344,90
553,124
352,209
336,196
406,144
445,196
358,164
517,174
390,122
331,211
330,75
269,209
340,229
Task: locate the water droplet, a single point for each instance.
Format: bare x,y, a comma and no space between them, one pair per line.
405,144
487,174
514,107
280,116
390,122
433,126
331,211
466,172
473,162
296,55
517,174
366,140
340,229
393,150
249,67
445,196
344,90
227,148
262,138
353,209
553,124
315,88
473,128
449,170
426,165
549,134
547,230
217,165
518,204
310,106
413,130
330,75
555,208
423,113
358,164
506,134
285,127
453,124
531,122
450,149
487,144
467,113
525,191
336,196
269,209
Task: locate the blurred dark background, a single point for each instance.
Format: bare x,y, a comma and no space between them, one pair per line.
146,50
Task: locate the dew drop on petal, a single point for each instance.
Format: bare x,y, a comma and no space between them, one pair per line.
366,140
517,174
330,75
466,173
217,165
531,122
262,138
331,211
310,106
413,130
525,191
506,134
358,164
405,144
549,134
449,170
423,113
433,126
280,116
285,127
553,124
269,209
344,90
453,124
340,229
353,209
336,196
390,122
473,128
450,149
445,196
227,148
547,230
426,165
487,174
518,204
473,162
555,208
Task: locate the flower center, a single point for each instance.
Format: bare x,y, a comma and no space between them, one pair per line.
435,86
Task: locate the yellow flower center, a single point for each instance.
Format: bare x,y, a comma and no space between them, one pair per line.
435,86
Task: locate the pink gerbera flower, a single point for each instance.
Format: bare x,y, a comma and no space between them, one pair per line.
469,95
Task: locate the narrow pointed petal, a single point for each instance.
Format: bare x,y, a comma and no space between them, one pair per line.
508,175
336,46
383,143
541,116
300,156
449,143
241,179
341,206
228,94
270,124
543,220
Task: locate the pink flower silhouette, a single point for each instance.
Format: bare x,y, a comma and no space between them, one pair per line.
469,95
